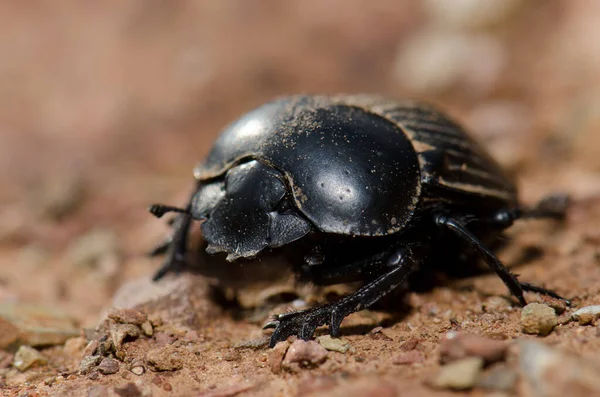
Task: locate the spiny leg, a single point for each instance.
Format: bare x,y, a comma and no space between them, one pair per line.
511,281
544,291
175,246
515,286
303,323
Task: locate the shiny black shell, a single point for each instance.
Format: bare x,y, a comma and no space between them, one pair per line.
363,165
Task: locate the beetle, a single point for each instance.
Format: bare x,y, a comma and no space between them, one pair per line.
350,187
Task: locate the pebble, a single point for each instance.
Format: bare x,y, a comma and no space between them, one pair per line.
164,359
108,366
495,304
127,316
538,319
129,390
138,370
35,325
333,344
303,354
550,372
410,357
275,356
91,348
75,346
58,195
27,357
98,391
97,248
458,345
88,363
147,328
586,315
500,378
119,332
8,333
462,374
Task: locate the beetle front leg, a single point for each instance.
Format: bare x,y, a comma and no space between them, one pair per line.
175,246
304,323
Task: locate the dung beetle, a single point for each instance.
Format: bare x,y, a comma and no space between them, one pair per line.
351,188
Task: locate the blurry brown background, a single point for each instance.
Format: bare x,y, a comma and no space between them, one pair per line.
105,107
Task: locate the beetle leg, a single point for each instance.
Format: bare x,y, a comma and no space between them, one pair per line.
175,246
509,279
303,323
544,291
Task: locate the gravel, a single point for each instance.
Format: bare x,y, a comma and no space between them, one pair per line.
538,319
303,354
27,357
333,344
462,374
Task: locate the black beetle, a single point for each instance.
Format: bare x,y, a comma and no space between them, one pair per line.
362,187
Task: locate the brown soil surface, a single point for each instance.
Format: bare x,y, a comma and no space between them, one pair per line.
105,107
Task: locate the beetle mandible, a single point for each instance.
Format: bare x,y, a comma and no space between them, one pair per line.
361,187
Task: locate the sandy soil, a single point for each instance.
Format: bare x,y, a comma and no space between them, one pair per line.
105,108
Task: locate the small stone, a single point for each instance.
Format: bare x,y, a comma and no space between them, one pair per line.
164,359
147,328
333,344
88,363
303,354
98,248
499,377
75,346
120,332
551,372
559,305
138,370
538,319
586,315
275,356
232,355
409,345
587,318
410,357
108,366
495,304
98,391
127,316
458,345
93,375
8,333
27,357
105,346
91,348
36,325
458,375
129,390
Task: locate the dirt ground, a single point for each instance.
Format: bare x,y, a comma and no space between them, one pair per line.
105,107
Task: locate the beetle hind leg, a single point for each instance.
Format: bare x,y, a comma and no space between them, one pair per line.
544,291
304,323
515,286
509,279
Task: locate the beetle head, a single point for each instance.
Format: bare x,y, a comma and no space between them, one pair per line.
245,212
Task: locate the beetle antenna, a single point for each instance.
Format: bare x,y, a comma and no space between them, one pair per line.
158,210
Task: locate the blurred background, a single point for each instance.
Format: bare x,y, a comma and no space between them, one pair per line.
105,107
